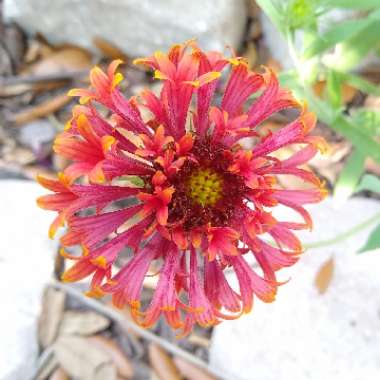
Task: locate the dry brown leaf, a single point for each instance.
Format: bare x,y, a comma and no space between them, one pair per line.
8,90
122,363
19,156
109,50
192,372
163,364
59,374
65,60
82,323
200,341
325,275
48,367
14,89
53,305
81,360
348,92
40,110
38,48
250,54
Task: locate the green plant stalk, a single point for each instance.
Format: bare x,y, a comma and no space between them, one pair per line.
334,118
345,235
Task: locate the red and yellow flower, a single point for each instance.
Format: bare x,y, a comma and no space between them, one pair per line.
202,202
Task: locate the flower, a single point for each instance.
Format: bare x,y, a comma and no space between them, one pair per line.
201,202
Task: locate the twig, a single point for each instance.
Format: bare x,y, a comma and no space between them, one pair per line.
70,75
145,334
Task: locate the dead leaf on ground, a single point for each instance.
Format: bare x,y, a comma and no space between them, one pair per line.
372,102
250,54
38,48
53,304
5,61
14,40
347,92
163,364
324,276
65,60
199,340
122,363
192,372
82,360
48,367
14,89
82,323
40,110
109,50
19,155
59,374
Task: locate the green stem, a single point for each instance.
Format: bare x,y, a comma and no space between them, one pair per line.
345,235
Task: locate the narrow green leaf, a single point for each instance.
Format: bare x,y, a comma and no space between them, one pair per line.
367,119
355,4
373,241
334,92
352,51
272,11
369,182
338,33
350,176
360,138
361,84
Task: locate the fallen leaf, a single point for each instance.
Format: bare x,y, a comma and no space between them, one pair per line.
198,340
192,372
348,92
40,110
82,323
163,364
38,48
325,275
14,41
123,365
81,360
65,60
109,50
53,304
20,156
14,89
5,61
250,54
48,367
59,374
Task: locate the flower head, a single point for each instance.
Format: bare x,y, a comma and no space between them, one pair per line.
202,202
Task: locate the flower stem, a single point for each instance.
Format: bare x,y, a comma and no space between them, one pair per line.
345,235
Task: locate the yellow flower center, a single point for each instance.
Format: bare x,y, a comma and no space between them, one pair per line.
205,186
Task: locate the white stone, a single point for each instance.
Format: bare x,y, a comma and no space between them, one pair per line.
304,335
26,265
139,27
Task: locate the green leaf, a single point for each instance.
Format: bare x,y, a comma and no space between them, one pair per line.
338,33
361,84
334,92
352,51
354,4
272,11
350,176
359,137
369,182
367,119
373,241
